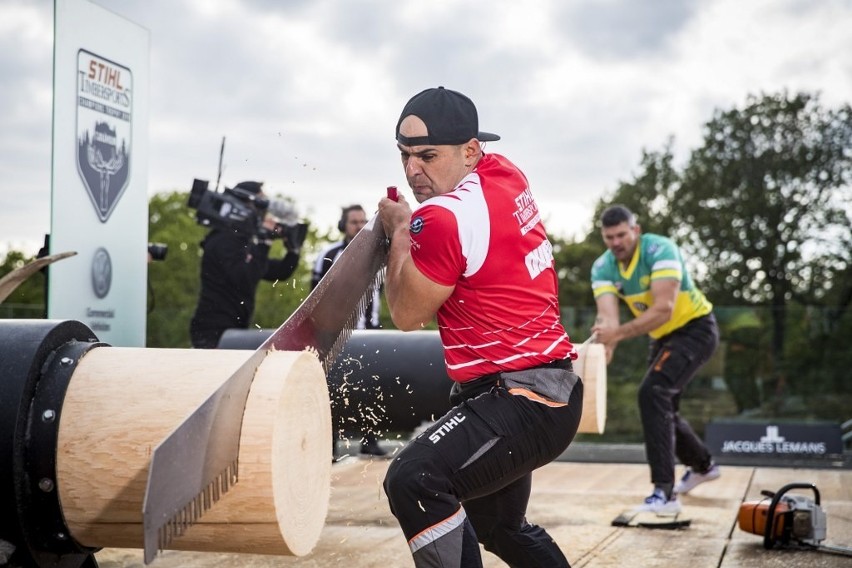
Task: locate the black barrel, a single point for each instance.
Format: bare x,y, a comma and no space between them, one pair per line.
37,359
383,381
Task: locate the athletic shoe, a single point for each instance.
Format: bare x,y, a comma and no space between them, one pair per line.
691,479
657,503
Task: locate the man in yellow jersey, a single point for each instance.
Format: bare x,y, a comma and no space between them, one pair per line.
648,273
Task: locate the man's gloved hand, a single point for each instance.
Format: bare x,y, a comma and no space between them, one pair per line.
265,235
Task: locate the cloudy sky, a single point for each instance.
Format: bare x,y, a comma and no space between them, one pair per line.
307,92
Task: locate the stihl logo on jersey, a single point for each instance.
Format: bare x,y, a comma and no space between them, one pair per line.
445,428
527,214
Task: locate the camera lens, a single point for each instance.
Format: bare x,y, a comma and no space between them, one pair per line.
158,251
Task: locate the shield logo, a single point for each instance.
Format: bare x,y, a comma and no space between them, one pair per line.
104,129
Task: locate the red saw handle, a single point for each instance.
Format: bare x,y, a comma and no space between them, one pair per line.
393,193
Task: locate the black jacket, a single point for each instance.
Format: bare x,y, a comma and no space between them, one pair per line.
231,268
327,257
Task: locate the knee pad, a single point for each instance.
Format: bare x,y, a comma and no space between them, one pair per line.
412,478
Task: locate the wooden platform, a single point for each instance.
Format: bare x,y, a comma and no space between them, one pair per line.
575,502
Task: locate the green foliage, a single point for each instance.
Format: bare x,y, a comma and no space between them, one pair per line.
173,283
28,299
764,203
650,195
765,200
574,264
275,301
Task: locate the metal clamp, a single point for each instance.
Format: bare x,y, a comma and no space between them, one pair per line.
37,361
41,511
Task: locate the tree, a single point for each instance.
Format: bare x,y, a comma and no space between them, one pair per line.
277,300
573,264
27,300
764,202
173,283
649,195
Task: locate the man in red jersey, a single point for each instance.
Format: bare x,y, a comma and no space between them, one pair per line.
475,254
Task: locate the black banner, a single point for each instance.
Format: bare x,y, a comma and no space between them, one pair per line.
773,439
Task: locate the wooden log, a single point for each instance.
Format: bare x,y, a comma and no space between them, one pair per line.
591,366
121,402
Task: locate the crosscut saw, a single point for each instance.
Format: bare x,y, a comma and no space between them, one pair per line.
198,461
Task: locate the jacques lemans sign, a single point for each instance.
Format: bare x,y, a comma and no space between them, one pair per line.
794,439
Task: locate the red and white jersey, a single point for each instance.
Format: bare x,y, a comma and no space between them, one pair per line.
486,238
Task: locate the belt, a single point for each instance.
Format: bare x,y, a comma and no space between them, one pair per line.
471,388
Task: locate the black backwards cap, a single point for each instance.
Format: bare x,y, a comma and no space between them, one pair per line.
450,119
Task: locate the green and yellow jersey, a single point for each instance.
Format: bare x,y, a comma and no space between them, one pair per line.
655,258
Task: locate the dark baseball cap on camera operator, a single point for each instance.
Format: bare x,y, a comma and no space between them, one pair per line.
254,187
450,118
252,192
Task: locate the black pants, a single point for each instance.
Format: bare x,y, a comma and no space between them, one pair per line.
467,478
206,339
672,363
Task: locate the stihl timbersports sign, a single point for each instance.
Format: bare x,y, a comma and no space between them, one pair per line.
104,128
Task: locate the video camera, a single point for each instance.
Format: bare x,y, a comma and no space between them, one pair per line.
234,209
243,211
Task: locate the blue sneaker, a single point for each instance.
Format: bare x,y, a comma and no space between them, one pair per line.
691,479
657,503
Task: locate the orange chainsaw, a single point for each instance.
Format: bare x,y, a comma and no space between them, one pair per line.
788,520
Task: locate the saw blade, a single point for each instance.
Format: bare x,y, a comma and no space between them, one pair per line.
649,520
198,461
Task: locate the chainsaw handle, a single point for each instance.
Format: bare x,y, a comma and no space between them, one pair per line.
768,530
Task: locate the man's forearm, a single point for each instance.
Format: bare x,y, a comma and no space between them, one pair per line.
645,323
398,256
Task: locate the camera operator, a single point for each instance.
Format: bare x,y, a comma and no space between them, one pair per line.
233,263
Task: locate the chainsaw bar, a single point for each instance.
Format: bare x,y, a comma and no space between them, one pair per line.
198,462
833,549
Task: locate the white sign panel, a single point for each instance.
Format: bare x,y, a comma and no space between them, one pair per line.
99,204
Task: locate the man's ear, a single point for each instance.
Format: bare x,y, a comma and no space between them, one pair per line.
472,151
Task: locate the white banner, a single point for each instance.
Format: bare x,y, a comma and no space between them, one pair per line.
99,204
